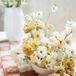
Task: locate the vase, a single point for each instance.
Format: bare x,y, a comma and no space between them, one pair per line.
13,23
39,70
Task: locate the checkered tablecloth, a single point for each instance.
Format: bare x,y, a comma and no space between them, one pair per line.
8,67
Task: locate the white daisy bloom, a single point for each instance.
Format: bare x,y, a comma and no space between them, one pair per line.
60,55
34,58
37,20
73,48
48,58
42,51
52,41
44,40
28,18
71,25
21,56
33,14
39,14
68,30
50,65
54,8
68,53
57,35
53,56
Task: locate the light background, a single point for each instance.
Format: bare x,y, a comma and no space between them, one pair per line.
66,11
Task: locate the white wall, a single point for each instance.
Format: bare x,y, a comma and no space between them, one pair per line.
66,10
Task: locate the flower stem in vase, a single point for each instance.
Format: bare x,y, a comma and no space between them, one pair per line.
18,3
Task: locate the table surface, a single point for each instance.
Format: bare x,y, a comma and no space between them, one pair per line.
8,66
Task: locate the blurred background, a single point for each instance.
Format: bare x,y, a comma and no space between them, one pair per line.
66,10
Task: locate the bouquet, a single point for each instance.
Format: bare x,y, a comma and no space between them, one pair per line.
12,3
51,51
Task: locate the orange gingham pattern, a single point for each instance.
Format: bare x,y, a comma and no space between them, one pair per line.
8,67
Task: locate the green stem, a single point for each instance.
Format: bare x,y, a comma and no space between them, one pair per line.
68,35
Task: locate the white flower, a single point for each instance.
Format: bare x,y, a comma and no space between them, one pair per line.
48,58
28,18
44,40
39,14
21,56
57,35
68,30
35,59
68,33
42,51
36,15
60,55
54,8
71,25
53,55
51,65
52,41
73,48
37,20
33,14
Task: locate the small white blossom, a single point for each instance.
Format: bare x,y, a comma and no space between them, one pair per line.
53,55
36,15
68,30
28,18
54,8
71,25
21,56
44,40
33,14
48,58
42,51
39,14
52,41
57,34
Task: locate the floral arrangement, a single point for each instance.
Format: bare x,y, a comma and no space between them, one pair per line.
13,3
53,51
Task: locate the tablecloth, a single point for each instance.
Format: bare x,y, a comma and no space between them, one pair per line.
8,66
